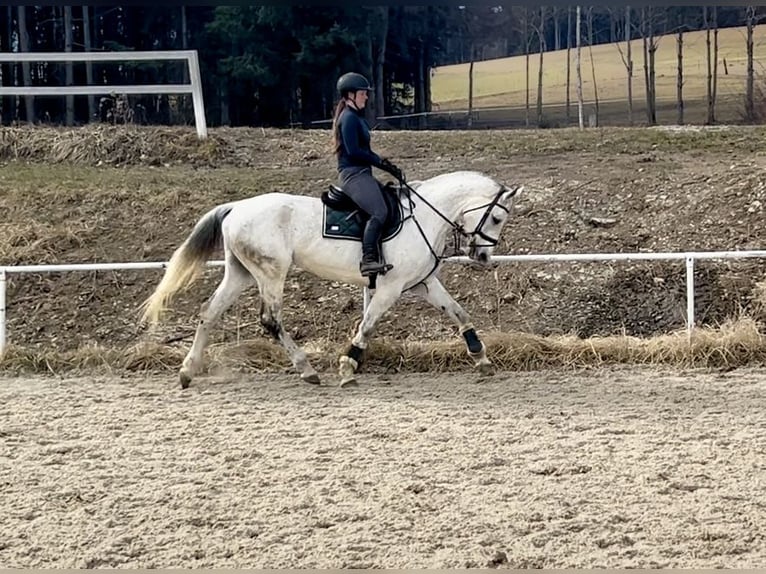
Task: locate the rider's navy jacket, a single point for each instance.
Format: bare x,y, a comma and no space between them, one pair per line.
355,141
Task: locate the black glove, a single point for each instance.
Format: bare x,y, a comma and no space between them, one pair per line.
386,165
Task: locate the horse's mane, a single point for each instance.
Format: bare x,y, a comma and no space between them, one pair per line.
474,180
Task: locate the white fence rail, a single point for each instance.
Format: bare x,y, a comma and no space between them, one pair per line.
194,87
688,257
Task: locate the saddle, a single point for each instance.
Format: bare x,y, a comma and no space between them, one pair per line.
342,218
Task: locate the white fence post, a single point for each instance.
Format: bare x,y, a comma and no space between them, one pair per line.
194,87
689,294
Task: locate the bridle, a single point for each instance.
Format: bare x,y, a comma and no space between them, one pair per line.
478,231
458,230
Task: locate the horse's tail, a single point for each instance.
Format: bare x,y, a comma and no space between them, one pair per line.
187,261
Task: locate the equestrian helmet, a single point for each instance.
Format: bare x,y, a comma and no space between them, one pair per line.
352,82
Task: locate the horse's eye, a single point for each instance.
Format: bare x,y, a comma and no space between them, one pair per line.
495,220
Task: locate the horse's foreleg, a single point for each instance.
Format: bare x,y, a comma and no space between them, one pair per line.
235,279
381,302
435,293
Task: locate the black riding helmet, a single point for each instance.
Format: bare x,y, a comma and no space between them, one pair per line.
352,82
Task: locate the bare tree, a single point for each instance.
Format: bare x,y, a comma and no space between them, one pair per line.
712,61
381,33
89,65
541,37
680,82
69,65
751,19
526,65
627,60
649,47
577,68
556,29
469,31
2,76
25,69
590,53
569,59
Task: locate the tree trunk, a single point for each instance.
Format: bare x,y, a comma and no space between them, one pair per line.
711,112
380,60
646,67
184,42
369,111
29,102
526,66
709,84
680,83
420,87
428,71
592,63
223,92
88,65
9,70
749,103
470,89
541,38
3,80
652,82
569,60
577,70
629,64
69,65
556,29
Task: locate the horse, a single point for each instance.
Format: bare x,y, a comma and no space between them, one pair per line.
262,236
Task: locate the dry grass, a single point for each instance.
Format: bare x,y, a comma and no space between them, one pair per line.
21,242
734,344
102,144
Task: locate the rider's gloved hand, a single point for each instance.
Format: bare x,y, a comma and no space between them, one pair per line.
386,165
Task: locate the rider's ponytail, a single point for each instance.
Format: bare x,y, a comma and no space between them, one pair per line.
337,143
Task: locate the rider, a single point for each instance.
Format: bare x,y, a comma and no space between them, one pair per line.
351,136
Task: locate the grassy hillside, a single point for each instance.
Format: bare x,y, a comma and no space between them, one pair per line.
501,82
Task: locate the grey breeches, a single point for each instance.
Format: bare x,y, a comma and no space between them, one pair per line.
363,188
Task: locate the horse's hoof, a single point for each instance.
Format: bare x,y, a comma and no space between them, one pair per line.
185,380
486,369
311,378
348,383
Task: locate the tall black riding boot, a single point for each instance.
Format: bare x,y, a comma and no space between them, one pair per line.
371,262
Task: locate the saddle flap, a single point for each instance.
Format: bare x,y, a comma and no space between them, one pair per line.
335,198
344,220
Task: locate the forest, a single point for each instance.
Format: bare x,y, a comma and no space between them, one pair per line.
277,65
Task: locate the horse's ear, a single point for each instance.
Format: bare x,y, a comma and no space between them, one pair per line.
512,192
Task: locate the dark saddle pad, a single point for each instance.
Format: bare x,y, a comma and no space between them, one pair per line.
344,220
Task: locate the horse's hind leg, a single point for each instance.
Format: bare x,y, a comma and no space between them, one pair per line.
435,293
235,279
271,286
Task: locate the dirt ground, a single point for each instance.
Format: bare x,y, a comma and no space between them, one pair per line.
619,468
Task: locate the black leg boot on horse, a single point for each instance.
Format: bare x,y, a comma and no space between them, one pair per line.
372,263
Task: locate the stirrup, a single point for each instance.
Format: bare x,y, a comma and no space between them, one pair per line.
374,267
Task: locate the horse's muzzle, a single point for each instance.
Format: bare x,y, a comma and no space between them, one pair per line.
479,257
